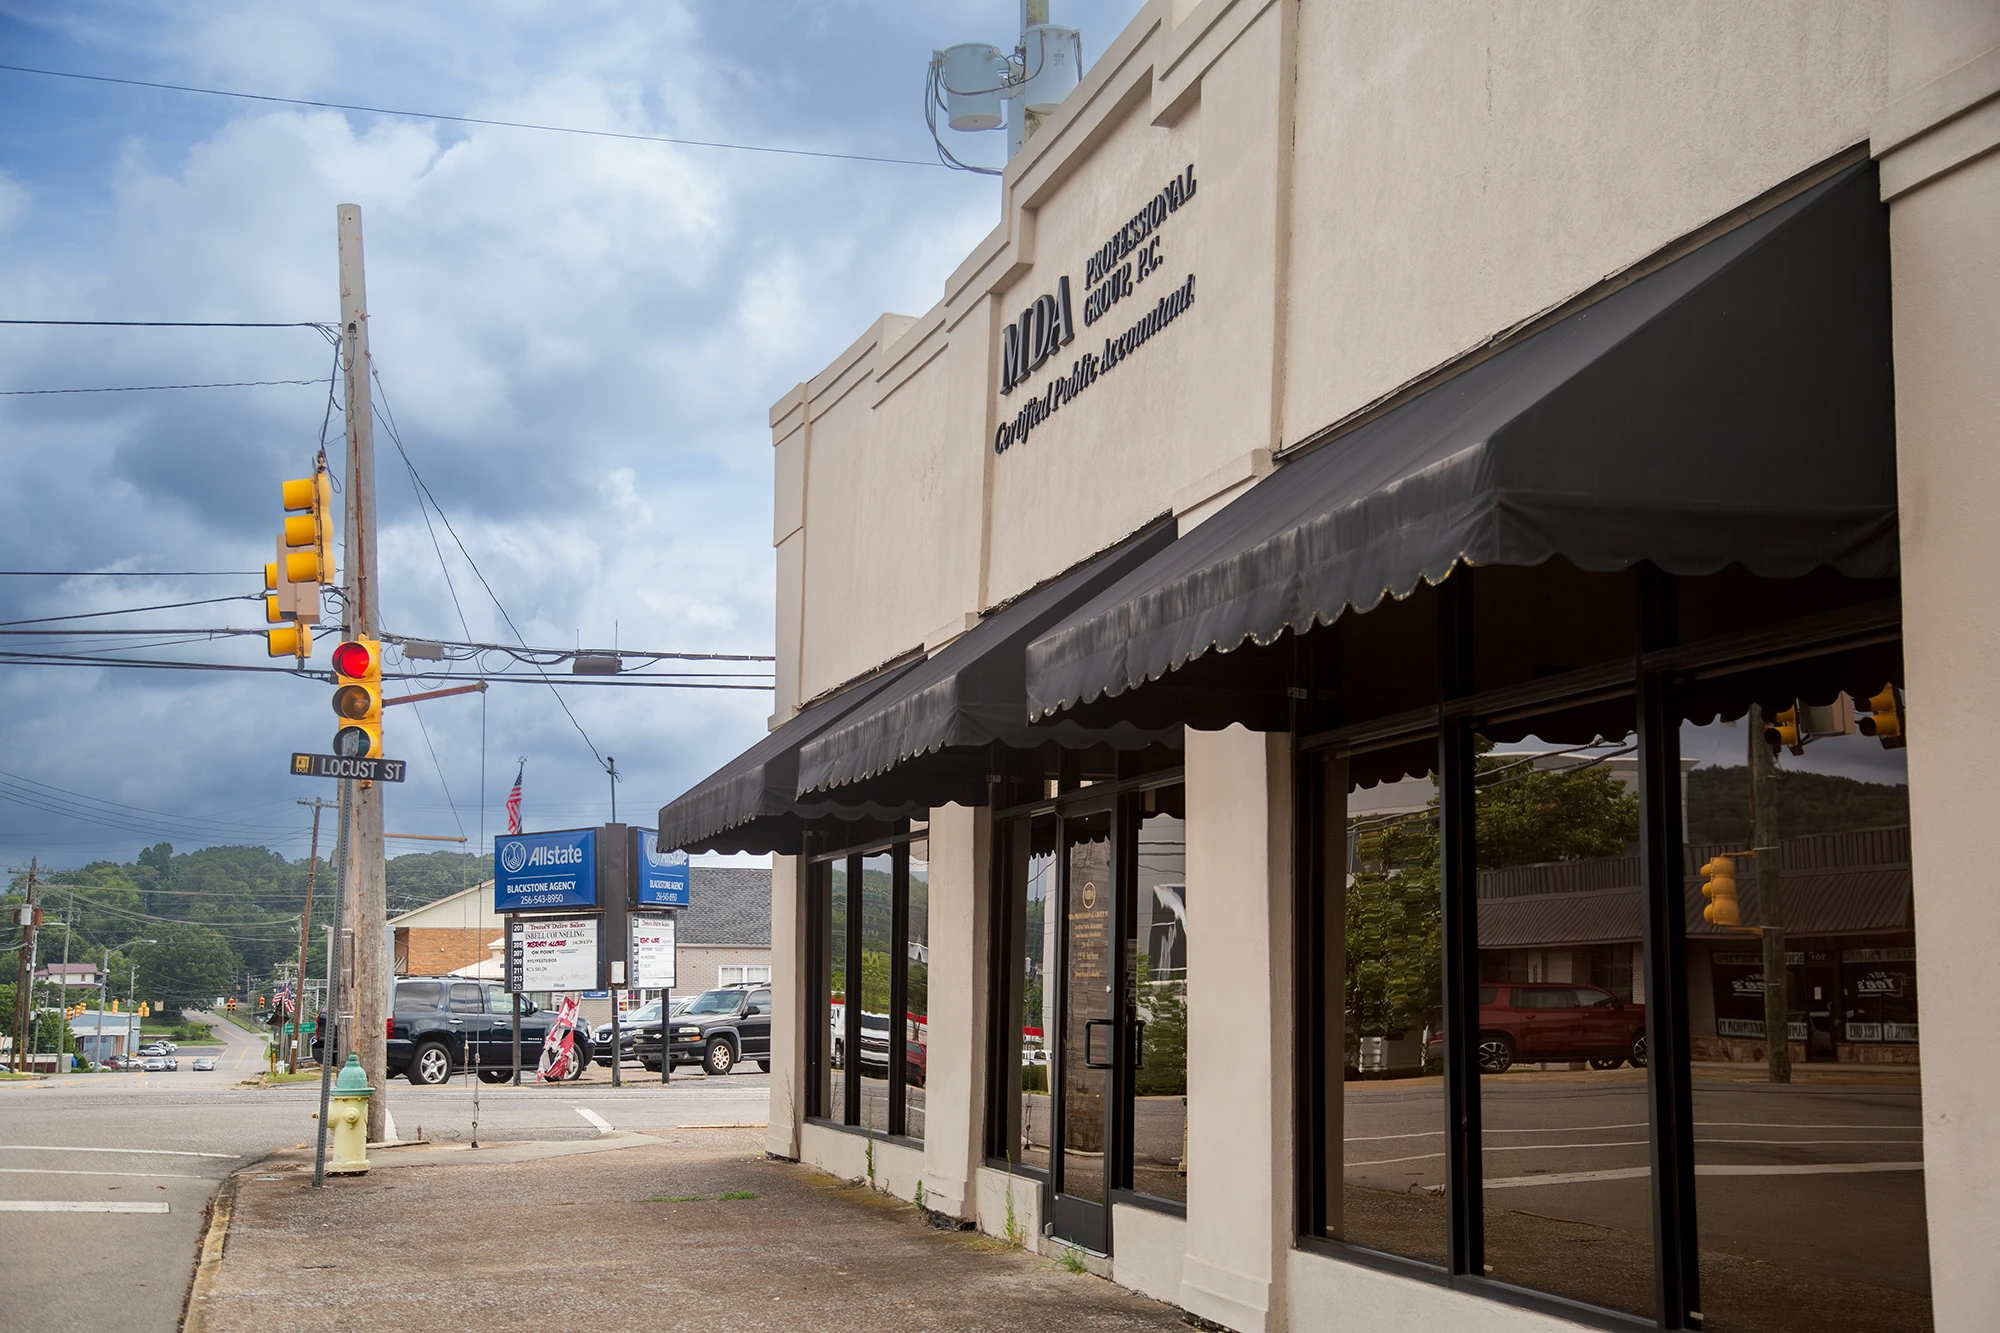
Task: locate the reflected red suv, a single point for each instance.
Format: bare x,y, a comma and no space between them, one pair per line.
1545,1020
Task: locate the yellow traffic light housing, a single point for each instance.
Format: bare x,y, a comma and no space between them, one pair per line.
1785,729
1719,887
292,582
309,535
1884,718
357,699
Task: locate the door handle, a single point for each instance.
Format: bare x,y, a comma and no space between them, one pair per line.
1088,1026
455,1022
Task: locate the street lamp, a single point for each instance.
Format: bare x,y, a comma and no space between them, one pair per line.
103,976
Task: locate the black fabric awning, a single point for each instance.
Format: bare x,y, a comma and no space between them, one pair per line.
1734,406
750,804
971,694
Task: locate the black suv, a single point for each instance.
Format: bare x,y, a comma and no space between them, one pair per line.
720,1028
446,1025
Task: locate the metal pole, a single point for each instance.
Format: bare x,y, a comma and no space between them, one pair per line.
666,1002
305,934
616,1062
611,767
331,1027
517,1040
69,928
1771,907
366,869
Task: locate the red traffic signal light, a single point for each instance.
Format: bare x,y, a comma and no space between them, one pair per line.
357,699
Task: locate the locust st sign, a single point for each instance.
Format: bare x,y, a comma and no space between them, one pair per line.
340,766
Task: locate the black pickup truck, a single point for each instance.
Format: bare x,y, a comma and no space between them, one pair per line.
445,1025
721,1028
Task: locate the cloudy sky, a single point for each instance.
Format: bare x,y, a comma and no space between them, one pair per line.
579,339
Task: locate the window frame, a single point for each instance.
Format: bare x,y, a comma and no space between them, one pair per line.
1651,678
819,935
1122,799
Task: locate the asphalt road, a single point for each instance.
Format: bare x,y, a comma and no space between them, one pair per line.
145,1153
1814,1184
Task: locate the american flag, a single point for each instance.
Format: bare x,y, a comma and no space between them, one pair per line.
514,800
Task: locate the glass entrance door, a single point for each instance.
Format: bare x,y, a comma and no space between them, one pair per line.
1080,1209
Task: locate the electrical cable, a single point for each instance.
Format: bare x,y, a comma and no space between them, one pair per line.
395,437
475,120
326,330
148,388
132,573
134,610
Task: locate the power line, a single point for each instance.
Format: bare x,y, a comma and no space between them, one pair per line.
478,120
16,657
326,330
149,388
132,573
396,437
134,610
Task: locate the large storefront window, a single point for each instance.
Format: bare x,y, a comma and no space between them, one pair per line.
1385,1114
1159,1001
1091,964
871,947
1563,1110
1808,1159
1535,984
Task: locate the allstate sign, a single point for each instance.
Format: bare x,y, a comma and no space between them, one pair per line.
535,871
663,876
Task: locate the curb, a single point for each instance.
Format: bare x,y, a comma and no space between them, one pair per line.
195,1320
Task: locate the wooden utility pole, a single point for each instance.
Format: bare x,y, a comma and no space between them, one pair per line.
298,1041
1770,898
366,903
24,1002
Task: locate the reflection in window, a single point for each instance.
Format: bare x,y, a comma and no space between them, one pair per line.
834,1105
877,908
1564,1112
916,1021
1160,974
1808,1159
1025,996
1389,1118
1088,1019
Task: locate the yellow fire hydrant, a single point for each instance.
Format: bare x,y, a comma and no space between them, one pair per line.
347,1117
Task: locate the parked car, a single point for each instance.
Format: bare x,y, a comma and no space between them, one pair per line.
645,1016
156,1064
1531,1022
153,1048
721,1028
204,1065
440,1026
171,1063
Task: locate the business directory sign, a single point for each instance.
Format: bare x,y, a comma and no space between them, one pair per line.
663,876
534,872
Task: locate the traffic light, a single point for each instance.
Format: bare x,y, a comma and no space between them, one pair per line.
1884,718
1785,729
357,699
114,1006
1719,887
145,1010
232,1003
304,562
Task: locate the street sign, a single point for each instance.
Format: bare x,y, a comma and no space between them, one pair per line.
652,965
339,766
291,1029
663,876
545,870
551,953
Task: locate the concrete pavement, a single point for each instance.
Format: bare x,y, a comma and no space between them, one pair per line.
681,1229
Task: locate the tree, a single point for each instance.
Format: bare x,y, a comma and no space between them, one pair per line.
1522,816
189,964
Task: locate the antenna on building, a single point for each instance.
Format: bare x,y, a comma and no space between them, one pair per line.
970,82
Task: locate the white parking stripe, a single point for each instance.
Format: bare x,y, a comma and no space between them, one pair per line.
76,1206
50,1171
1637,1172
603,1125
149,1152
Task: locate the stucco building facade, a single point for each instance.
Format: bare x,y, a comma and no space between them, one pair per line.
1361,394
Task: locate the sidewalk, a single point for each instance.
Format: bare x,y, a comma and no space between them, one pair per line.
627,1231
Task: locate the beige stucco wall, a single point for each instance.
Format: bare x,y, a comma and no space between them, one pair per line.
1382,188
1941,173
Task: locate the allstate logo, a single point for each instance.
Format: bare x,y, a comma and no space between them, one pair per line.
513,856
